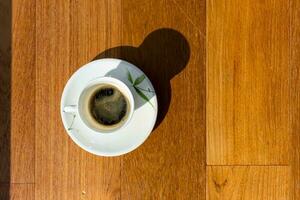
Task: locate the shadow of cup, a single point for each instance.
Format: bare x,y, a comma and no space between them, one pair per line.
163,54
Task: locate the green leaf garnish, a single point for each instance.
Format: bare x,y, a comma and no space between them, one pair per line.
138,90
142,95
139,79
129,77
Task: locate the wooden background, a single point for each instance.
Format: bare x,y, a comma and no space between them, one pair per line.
227,76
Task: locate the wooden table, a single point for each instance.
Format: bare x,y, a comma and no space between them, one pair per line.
227,76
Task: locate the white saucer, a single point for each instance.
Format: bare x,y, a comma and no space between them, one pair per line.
121,141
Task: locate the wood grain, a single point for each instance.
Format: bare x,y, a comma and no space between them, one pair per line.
247,87
17,191
238,88
248,182
171,163
195,12
5,92
52,39
22,191
23,92
70,34
295,93
4,191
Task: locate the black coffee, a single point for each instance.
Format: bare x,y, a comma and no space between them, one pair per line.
108,106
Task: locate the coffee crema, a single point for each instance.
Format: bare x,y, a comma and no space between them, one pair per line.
108,106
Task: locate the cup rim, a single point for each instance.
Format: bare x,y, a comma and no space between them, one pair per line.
117,83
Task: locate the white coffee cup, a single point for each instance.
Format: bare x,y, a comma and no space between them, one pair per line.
82,110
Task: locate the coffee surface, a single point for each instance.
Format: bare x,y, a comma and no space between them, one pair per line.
108,106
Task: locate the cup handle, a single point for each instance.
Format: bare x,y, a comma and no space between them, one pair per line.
70,109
